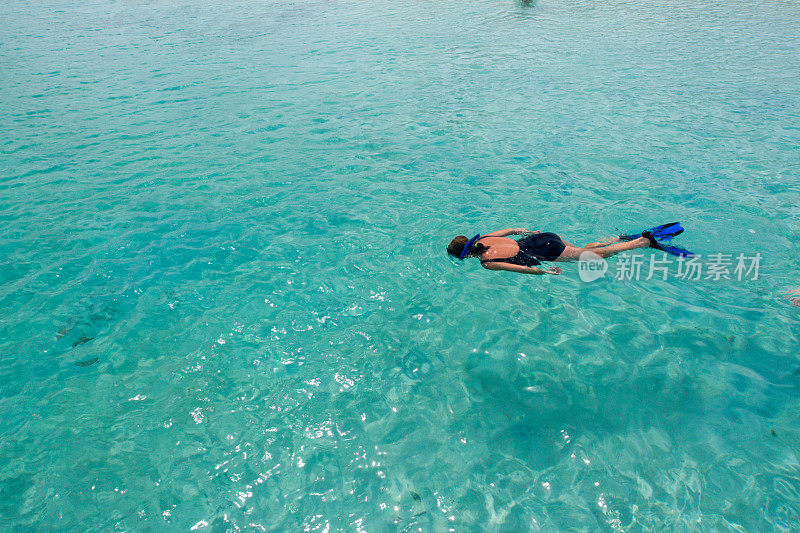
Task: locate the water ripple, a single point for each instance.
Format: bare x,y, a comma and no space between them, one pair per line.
226,303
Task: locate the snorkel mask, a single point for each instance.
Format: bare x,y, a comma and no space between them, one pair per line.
468,246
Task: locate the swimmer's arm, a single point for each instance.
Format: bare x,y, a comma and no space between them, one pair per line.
510,231
521,269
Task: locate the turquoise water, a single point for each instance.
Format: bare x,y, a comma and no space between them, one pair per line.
225,302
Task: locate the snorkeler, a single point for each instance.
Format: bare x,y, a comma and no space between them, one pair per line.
497,252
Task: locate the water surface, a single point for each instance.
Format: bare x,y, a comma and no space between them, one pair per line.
225,302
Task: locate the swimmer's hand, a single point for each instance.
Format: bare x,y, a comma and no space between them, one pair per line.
536,271
523,231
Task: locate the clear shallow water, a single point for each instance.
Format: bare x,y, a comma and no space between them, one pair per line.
241,212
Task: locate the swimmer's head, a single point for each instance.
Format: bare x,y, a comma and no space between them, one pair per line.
456,247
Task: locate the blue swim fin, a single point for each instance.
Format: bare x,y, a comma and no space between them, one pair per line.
672,250
664,232
667,231
677,250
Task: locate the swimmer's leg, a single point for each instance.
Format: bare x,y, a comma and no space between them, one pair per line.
573,253
605,242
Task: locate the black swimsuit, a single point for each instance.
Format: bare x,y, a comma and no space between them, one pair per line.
533,249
